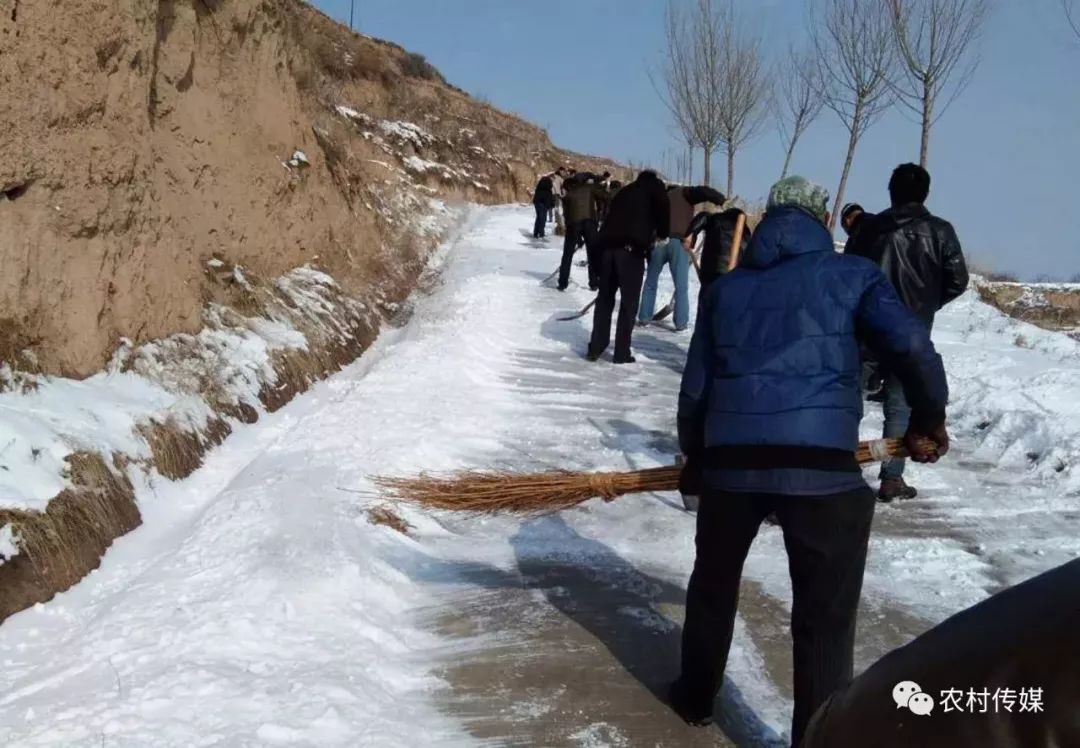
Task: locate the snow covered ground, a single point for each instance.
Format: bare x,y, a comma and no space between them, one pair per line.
257,605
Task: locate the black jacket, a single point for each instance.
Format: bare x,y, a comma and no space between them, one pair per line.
640,213
719,231
855,244
919,252
1022,638
544,194
580,202
604,194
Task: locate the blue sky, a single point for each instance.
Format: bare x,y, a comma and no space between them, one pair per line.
1005,159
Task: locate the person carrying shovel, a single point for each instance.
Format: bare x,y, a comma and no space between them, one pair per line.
768,417
720,230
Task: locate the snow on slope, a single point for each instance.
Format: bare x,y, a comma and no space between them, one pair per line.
257,606
1029,421
40,428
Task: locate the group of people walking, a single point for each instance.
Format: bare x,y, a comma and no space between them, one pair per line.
785,348
625,230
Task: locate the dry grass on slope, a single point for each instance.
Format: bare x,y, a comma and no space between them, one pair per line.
60,545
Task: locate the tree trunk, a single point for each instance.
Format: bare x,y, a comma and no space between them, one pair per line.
730,173
689,163
927,120
708,167
787,158
853,141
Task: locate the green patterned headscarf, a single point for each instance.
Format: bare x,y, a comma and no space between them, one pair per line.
802,193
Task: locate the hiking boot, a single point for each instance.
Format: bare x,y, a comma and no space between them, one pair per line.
593,356
696,712
895,488
625,360
561,288
684,328
772,519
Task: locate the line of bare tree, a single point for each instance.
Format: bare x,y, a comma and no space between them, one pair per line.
713,80
862,58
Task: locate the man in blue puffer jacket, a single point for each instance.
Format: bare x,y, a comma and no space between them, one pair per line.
769,420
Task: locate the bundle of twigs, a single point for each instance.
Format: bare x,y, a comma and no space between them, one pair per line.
485,492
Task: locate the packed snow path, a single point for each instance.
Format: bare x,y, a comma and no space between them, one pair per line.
258,606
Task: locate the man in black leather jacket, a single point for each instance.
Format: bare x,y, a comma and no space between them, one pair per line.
921,255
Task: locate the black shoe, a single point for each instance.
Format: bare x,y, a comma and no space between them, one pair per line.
696,714
561,288
895,488
772,519
593,288
626,360
593,356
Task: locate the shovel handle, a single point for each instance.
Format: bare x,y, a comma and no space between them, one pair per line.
736,242
693,259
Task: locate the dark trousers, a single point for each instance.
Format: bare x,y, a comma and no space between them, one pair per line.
541,220
826,539
621,270
575,232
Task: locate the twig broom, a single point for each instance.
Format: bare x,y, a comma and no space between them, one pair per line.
486,492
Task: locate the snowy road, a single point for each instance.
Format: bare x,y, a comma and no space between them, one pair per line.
258,606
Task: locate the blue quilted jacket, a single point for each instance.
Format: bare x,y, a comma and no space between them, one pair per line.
770,397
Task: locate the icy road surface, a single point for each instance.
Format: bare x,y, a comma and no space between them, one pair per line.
258,606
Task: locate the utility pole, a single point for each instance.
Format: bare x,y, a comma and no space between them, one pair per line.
352,7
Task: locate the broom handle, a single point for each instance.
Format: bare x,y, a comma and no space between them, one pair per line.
876,450
736,242
882,450
667,478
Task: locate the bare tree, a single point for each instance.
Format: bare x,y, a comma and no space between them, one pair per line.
933,38
741,100
690,83
1072,15
854,50
797,100
676,164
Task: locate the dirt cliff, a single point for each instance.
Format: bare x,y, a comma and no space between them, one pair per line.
144,137
205,206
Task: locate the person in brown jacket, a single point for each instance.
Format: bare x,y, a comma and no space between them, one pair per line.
1004,673
674,255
